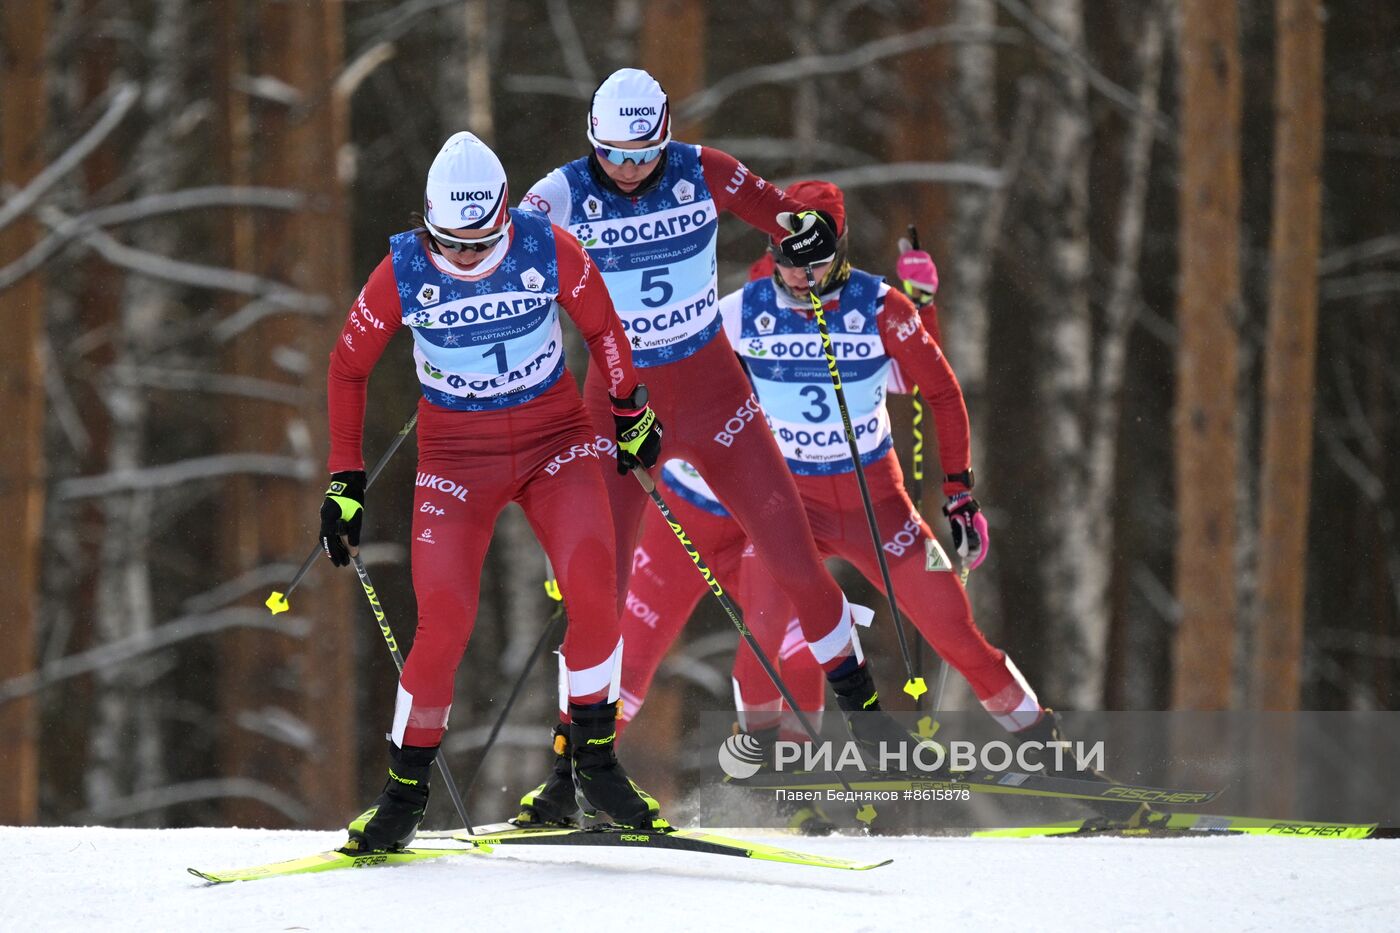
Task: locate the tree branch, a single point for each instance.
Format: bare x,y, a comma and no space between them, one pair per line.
1126,100
123,97
142,208
182,471
706,102
193,380
188,273
171,795
900,172
117,652
570,45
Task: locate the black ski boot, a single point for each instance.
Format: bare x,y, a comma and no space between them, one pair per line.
804,817
600,776
807,819
555,802
872,727
392,822
1048,730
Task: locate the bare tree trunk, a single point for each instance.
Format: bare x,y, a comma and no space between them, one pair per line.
1123,298
1291,353
323,239
480,116
464,85
79,525
965,315
920,134
673,51
128,754
1207,355
806,108
23,121
1074,572
620,48
289,705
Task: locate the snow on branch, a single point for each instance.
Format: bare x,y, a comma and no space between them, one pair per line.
1365,251
570,45
900,172
258,579
706,102
1056,44
364,65
182,471
196,275
547,84
116,652
171,795
194,380
142,208
789,149
123,97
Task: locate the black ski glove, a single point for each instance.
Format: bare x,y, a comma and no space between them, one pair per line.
812,241
341,514
969,526
638,431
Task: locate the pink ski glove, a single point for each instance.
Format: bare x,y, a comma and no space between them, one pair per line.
969,526
917,272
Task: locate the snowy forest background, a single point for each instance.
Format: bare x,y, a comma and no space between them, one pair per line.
1166,237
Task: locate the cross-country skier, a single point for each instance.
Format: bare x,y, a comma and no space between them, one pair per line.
873,327
646,208
479,285
770,325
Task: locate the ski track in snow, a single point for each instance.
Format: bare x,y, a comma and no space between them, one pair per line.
69,878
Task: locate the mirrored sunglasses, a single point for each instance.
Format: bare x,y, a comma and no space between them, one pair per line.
454,244
635,156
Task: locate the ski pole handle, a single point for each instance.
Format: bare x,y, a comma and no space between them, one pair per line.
277,602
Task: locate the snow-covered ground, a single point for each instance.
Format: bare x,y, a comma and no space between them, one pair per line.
110,879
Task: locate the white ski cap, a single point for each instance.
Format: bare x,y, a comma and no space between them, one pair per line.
629,106
466,186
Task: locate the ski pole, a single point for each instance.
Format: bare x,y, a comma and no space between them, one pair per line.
277,602
866,813
393,644
918,469
917,458
551,586
915,685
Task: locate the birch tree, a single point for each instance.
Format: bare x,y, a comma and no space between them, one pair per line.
1073,572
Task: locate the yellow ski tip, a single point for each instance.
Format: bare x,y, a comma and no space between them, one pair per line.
276,603
963,574
916,687
551,586
928,727
866,814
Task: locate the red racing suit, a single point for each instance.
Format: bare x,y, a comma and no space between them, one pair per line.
665,589
476,458
656,250
927,589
